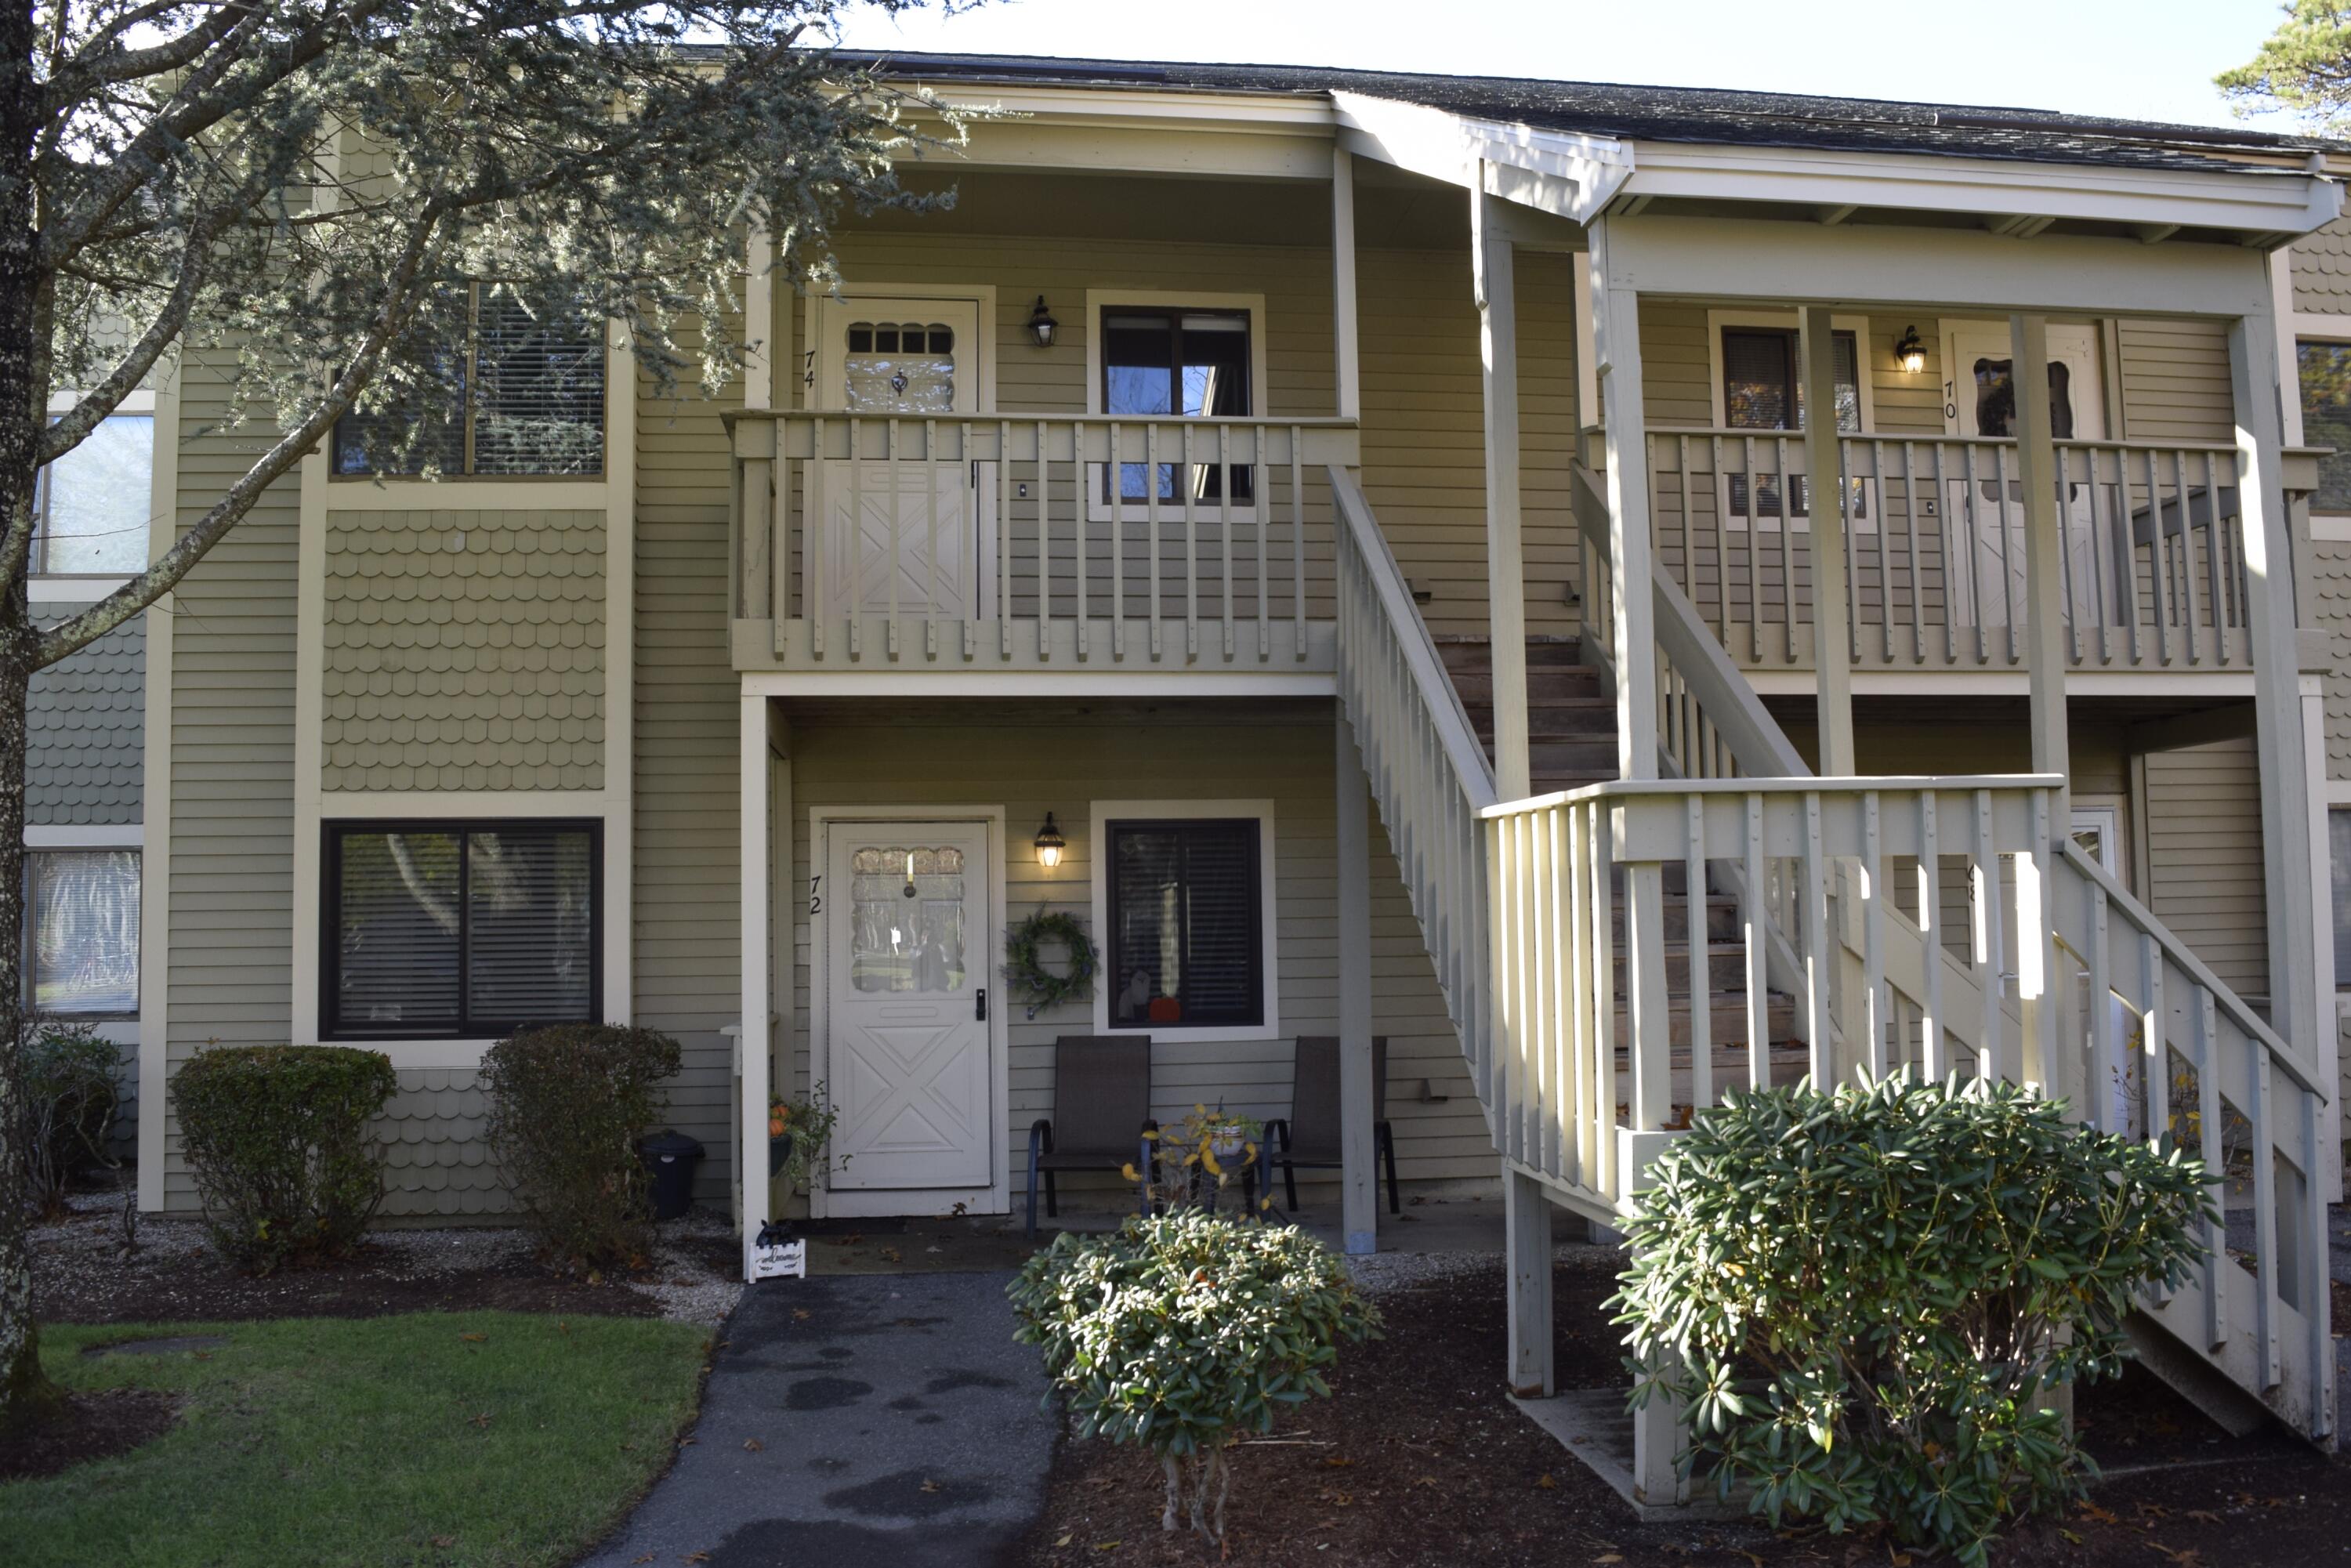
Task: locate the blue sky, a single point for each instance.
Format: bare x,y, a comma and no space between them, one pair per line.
2149,59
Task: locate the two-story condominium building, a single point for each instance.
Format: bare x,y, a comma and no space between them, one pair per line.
1373,527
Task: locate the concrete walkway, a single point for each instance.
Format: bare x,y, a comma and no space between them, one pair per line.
884,1420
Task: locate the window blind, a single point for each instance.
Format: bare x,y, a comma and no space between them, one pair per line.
82,935
538,391
1186,937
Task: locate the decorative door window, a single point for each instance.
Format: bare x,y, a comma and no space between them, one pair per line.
899,367
907,919
1995,383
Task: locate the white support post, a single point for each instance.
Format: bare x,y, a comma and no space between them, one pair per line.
1346,357
2321,917
2287,849
1526,1232
1495,288
1831,623
758,323
1616,350
2038,984
1358,1171
752,1040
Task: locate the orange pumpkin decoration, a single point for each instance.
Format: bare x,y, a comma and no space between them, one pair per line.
775,1126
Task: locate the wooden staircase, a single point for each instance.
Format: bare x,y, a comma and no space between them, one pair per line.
1572,742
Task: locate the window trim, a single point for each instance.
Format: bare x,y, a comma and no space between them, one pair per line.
1098,301
1096,850
2325,523
89,586
1864,367
607,436
466,1030
102,839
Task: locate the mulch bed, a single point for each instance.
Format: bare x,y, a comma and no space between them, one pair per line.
79,1277
93,1426
1417,1459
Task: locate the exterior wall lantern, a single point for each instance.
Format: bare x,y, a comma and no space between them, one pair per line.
1050,843
1909,353
1042,326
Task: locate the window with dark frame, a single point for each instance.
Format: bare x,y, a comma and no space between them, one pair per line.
460,930
1186,937
1177,362
1763,389
2324,372
514,392
81,933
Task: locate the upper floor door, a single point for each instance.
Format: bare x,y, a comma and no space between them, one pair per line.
900,528
1984,526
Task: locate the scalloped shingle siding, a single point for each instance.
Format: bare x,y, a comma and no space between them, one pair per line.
436,1161
86,724
2322,270
2329,606
464,651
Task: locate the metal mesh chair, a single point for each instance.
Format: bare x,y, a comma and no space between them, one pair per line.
1310,1134
1101,1111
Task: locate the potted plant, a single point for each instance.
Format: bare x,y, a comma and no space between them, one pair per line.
800,1129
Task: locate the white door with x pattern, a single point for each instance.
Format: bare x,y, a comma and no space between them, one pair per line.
908,950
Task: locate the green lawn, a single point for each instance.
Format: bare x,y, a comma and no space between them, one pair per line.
441,1439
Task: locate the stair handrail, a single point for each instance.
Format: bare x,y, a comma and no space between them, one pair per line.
1417,648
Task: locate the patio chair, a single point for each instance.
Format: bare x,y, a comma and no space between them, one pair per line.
1101,1105
1309,1135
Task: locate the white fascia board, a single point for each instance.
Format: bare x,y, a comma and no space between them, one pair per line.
1556,172
2259,200
1241,111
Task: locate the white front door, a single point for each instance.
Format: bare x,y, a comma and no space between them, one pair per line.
1985,543
907,964
927,523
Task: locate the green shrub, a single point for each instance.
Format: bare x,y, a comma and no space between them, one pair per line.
568,1104
73,1083
1868,1298
1183,1332
278,1137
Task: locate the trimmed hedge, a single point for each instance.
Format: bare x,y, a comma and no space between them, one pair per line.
73,1083
568,1104
278,1137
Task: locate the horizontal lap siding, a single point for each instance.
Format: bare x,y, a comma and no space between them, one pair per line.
231,810
1030,768
2204,846
685,919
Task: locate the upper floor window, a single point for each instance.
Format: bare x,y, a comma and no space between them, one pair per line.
1172,361
2325,376
91,506
1763,389
513,393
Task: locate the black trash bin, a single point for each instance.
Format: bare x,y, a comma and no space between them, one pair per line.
672,1157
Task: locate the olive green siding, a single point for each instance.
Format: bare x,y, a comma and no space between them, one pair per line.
464,651
232,746
2322,270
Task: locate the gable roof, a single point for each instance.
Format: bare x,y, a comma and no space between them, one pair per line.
1707,115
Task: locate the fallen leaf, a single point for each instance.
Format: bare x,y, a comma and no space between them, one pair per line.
2069,1535
2202,1516
646,1558
1544,1483
696,1557
483,1419
1610,1557
1428,1481
891,1255
1108,1545
754,1445
444,1542
1066,1539
930,1486
801,1315
473,1338
1336,1463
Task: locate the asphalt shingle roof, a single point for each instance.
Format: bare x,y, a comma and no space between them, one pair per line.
1707,115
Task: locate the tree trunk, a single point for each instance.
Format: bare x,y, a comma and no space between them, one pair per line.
25,1394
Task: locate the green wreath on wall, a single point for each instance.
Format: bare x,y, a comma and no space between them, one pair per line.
1032,982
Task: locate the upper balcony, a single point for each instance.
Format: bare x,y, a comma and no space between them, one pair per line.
945,540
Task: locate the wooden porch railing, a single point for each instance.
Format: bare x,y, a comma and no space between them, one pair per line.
1428,771
2152,570
1010,539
